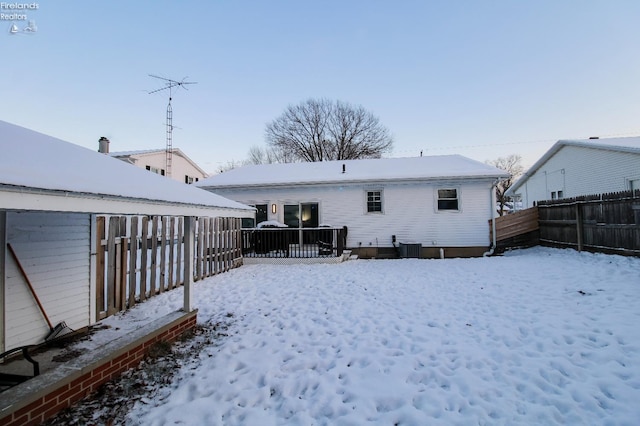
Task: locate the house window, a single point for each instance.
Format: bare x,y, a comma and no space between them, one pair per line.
553,195
248,222
560,194
188,179
374,201
448,199
155,170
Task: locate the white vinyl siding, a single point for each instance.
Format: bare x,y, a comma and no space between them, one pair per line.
409,212
181,168
580,171
54,250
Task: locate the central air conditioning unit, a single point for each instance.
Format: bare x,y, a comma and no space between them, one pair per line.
410,250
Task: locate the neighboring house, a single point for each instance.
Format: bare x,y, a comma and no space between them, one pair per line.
50,194
183,169
581,167
438,202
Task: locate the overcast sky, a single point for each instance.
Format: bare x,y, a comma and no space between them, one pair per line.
477,78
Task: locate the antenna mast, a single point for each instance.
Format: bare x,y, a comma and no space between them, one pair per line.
169,85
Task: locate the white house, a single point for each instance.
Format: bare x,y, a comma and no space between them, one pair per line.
183,168
581,167
439,202
50,193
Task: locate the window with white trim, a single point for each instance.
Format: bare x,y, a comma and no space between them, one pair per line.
374,201
448,199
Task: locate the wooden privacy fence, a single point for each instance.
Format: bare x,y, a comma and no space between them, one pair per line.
516,229
605,222
138,257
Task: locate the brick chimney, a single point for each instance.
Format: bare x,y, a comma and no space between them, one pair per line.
103,145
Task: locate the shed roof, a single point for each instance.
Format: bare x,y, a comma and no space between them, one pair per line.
41,172
352,171
627,144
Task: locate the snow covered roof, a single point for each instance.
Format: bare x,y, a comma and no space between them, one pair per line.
41,172
352,171
627,144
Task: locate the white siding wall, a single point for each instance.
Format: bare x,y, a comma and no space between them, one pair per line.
54,250
581,171
409,212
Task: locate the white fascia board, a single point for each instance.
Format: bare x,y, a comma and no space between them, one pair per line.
73,202
482,178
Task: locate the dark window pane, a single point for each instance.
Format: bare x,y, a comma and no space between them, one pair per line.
291,215
447,193
447,204
261,213
247,222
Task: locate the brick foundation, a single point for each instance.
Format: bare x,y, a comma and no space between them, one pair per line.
42,397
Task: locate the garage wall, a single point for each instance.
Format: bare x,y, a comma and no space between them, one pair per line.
54,250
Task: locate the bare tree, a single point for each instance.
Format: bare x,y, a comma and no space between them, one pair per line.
323,130
258,155
230,165
512,165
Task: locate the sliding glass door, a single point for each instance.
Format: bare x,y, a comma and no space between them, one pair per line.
303,215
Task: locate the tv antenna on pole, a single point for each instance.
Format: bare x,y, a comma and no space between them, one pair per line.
170,84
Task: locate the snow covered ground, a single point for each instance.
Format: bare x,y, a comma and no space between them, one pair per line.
538,336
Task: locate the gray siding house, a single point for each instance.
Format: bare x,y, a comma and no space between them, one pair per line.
439,202
581,167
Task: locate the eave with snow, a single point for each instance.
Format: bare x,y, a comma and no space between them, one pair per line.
437,201
572,168
50,194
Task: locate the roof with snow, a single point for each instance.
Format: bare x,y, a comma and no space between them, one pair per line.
41,172
627,144
355,171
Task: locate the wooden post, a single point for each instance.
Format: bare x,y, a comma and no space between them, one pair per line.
100,278
179,251
216,248
163,255
154,255
143,258
133,261
205,246
211,247
121,289
200,252
579,226
172,228
228,243
189,223
111,264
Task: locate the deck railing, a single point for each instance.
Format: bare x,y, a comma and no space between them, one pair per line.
293,242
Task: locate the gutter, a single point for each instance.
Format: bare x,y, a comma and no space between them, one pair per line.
493,219
109,197
341,182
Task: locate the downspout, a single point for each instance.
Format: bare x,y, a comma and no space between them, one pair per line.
493,219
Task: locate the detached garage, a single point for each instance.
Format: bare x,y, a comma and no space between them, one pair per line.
51,192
